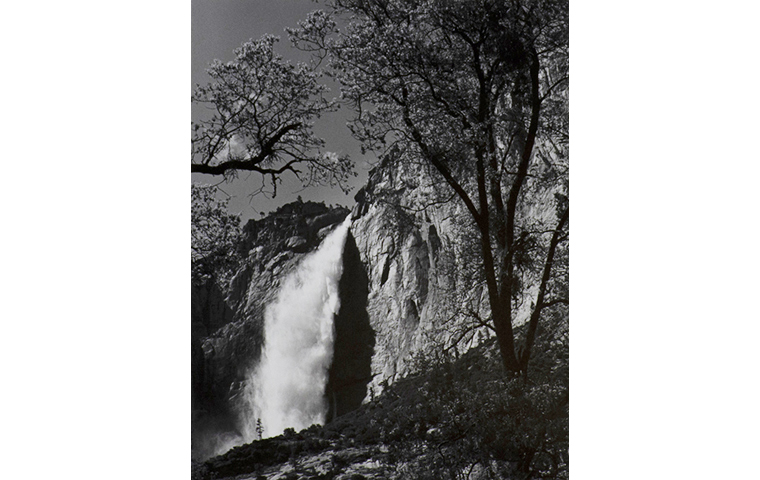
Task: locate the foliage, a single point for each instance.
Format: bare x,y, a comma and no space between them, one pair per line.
215,234
450,418
478,91
262,111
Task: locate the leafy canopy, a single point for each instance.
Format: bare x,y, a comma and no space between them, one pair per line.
215,234
262,110
477,90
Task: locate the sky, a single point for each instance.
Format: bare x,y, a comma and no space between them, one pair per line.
220,26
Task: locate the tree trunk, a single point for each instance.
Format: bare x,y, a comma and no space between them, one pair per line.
504,335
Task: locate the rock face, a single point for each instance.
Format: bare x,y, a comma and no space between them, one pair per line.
388,296
407,246
396,275
419,246
355,340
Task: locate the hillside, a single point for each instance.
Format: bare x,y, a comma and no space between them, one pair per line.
455,419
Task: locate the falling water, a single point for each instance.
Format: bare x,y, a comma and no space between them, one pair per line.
287,389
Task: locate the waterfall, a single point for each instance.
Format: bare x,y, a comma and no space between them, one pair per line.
287,388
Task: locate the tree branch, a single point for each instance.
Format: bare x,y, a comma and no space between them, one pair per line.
540,304
252,164
555,301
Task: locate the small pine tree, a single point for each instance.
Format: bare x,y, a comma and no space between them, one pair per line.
259,428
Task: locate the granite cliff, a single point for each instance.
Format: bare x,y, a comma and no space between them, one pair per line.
408,288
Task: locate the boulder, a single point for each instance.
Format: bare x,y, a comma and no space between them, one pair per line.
297,244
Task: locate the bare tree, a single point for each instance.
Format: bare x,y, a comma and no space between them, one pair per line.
478,89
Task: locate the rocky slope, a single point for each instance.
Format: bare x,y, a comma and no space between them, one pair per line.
460,419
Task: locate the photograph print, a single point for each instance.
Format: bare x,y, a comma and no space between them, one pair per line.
380,239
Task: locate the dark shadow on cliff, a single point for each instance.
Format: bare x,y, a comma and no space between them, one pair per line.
212,421
351,372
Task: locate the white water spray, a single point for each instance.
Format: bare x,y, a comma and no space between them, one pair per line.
287,388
